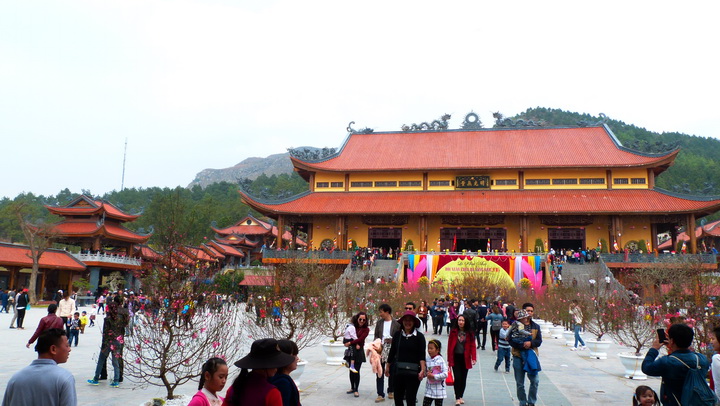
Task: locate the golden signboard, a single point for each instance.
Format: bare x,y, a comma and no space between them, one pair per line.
472,182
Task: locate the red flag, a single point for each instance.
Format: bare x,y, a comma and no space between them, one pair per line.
454,249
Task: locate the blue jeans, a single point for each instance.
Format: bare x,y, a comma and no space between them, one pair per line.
577,329
503,354
520,383
102,359
74,334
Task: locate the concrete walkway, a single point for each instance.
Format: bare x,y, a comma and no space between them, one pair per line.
568,378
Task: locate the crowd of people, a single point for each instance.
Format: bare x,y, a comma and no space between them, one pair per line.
399,354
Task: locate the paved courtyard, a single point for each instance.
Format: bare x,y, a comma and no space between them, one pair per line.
568,378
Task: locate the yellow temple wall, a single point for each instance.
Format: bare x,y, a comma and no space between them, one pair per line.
358,231
565,174
507,174
630,173
330,177
323,227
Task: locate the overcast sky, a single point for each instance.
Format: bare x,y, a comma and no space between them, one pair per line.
205,84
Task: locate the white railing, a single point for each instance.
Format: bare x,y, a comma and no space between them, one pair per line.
111,258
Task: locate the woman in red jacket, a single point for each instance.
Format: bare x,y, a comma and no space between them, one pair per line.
462,355
361,328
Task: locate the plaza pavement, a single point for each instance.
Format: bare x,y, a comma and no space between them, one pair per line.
568,378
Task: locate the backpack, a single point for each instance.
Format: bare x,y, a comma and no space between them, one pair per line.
695,391
496,324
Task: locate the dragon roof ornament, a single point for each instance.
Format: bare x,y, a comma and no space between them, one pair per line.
435,125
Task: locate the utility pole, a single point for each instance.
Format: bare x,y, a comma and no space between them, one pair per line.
122,182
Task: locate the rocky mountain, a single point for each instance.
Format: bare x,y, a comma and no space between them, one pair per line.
249,168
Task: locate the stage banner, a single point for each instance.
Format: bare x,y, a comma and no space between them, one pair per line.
497,268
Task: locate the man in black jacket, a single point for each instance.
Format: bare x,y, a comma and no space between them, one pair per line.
482,312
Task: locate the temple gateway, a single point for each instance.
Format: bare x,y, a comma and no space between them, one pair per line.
507,189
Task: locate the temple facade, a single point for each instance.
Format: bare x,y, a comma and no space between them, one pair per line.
507,189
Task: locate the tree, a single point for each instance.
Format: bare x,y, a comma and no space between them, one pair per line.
186,322
38,239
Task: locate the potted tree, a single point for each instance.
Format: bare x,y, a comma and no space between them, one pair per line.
599,322
633,327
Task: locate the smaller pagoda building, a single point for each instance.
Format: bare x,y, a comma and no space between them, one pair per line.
250,235
104,244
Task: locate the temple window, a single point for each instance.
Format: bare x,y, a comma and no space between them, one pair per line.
637,181
361,184
592,181
322,184
337,184
537,181
568,181
505,182
386,183
621,181
439,183
406,183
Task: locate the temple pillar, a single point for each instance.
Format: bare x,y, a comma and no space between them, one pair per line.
673,239
423,234
96,244
341,226
690,231
13,276
524,233
70,281
43,278
653,233
128,280
94,277
281,231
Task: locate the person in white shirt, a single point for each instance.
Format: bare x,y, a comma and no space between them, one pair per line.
385,327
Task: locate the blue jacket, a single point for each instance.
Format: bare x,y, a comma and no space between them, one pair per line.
672,371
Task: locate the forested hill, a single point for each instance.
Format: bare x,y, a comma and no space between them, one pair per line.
696,169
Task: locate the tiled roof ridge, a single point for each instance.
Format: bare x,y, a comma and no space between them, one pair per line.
607,129
696,198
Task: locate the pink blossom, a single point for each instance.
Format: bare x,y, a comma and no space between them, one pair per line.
137,360
215,344
120,340
194,335
300,336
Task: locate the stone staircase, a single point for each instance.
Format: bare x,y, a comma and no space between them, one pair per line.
383,268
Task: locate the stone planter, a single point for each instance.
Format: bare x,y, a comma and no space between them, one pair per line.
545,328
296,374
557,331
598,349
334,353
570,338
632,364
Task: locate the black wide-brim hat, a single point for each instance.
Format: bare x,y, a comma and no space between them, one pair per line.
409,314
265,353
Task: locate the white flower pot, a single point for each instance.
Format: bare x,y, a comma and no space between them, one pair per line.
545,329
569,336
598,349
296,374
633,365
334,353
557,331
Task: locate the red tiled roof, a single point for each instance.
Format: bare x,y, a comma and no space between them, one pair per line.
85,205
579,147
91,228
146,252
257,280
241,227
212,251
18,255
489,202
226,249
710,229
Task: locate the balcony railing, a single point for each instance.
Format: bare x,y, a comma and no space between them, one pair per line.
108,258
294,254
666,258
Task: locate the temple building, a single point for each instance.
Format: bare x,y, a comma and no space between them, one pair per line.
250,235
96,228
513,188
